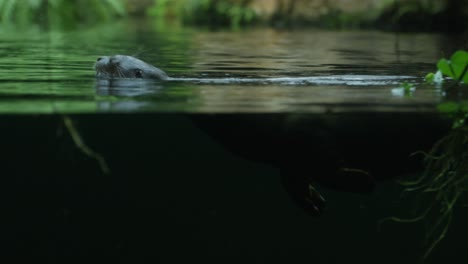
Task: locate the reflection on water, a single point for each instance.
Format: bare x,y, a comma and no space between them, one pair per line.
260,70
309,53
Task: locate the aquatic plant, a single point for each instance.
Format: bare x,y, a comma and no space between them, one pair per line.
444,181
455,68
59,13
445,177
405,89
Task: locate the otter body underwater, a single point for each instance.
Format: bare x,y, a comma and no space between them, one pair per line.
126,67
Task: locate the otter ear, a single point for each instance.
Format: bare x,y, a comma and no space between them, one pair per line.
138,73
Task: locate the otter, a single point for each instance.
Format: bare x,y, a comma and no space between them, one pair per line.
123,66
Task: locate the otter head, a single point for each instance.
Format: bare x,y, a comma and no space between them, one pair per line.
122,66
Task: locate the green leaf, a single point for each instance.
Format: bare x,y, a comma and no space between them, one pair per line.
444,66
456,67
460,61
448,107
429,77
460,56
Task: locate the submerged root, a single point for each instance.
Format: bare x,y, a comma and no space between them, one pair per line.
79,143
443,183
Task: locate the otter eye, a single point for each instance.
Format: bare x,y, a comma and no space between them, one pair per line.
138,73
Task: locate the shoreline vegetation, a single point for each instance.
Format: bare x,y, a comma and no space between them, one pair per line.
392,15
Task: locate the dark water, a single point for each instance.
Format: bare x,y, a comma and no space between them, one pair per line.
197,162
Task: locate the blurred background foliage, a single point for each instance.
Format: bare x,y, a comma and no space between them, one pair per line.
399,15
59,13
214,13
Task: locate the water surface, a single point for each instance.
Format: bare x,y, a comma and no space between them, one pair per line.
257,70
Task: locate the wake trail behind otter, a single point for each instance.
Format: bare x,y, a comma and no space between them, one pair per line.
362,80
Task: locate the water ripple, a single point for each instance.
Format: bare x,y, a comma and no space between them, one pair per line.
362,80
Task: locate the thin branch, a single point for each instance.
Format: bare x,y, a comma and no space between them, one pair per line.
79,143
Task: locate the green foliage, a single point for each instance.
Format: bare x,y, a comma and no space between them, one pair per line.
59,13
458,111
456,67
166,11
430,77
408,88
336,19
405,89
218,13
160,8
452,107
